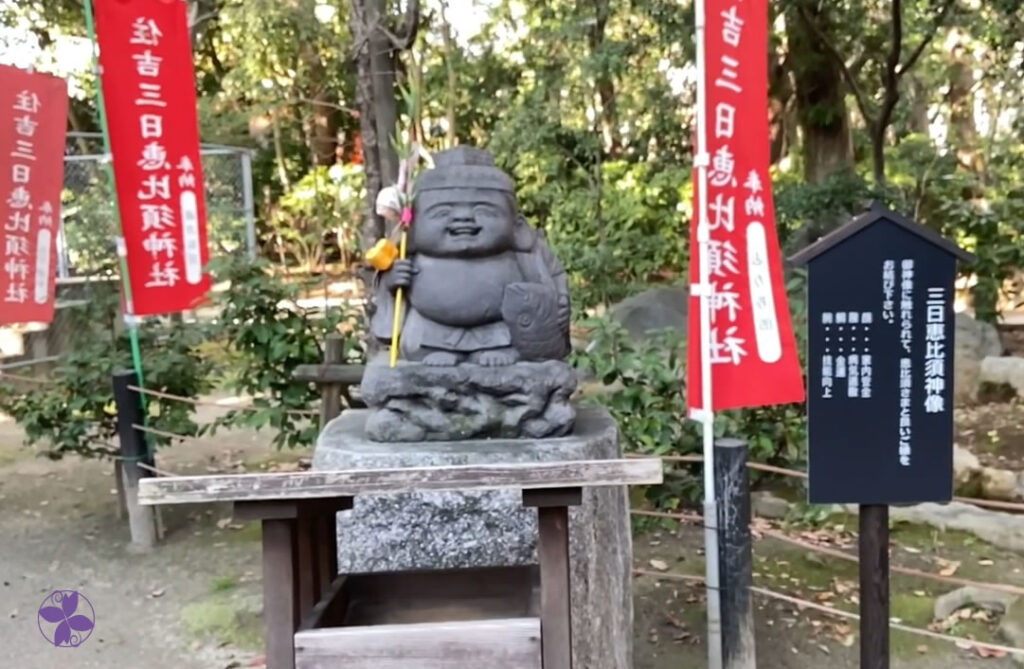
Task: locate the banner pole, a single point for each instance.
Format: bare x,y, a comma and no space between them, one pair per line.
108,163
707,416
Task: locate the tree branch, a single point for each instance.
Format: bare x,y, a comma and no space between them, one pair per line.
851,81
405,34
939,20
892,61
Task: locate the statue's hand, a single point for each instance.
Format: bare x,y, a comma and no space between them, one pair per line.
400,275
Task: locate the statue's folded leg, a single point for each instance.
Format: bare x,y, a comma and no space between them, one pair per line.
438,358
495,357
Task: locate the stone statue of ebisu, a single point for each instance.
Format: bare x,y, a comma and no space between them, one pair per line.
482,284
485,316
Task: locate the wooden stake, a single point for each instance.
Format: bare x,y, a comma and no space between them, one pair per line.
874,586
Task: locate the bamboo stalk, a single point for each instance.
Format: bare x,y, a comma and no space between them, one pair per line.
396,328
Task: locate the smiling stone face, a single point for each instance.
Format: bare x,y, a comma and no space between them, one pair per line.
463,222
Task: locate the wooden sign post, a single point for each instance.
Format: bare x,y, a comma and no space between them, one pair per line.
880,385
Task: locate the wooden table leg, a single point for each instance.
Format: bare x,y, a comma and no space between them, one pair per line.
327,551
280,604
555,590
306,572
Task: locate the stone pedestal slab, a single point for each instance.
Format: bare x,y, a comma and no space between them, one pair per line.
435,530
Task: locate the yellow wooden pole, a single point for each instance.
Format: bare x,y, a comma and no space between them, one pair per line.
396,328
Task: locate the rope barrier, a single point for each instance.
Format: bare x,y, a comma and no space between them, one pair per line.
194,402
842,555
793,473
26,379
961,642
161,433
29,363
158,472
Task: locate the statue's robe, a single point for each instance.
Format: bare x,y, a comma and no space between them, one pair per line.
481,327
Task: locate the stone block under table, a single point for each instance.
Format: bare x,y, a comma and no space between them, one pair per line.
452,530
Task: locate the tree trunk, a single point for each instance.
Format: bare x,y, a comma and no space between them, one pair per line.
373,225
604,83
780,93
963,133
821,100
320,121
325,131
451,133
385,106
918,120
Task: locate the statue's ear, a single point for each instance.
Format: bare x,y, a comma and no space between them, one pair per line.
524,237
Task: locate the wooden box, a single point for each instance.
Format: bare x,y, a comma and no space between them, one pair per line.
429,620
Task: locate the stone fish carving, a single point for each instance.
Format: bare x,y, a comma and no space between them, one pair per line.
485,296
530,311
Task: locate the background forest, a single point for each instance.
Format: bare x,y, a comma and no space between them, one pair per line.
589,104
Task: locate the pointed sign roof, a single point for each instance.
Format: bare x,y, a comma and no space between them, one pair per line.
878,212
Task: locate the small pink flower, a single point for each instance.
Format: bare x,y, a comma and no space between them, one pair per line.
406,216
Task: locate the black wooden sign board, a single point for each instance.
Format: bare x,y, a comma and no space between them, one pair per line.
880,362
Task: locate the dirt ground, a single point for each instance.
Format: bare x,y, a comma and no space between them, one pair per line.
670,614
194,603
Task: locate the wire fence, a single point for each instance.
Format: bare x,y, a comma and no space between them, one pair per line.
89,226
87,270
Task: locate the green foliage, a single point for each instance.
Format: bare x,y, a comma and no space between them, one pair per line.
612,236
76,412
645,391
324,204
269,333
646,379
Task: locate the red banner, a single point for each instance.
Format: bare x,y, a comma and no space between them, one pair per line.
32,132
753,353
149,86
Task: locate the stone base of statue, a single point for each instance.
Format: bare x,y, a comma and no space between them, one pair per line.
438,530
414,402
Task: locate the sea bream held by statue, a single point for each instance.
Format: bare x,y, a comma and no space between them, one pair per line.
482,285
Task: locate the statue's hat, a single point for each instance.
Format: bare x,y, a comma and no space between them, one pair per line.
464,167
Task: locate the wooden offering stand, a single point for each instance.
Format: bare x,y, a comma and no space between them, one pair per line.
500,618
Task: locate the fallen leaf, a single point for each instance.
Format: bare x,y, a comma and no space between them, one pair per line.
922,649
158,592
912,550
824,596
920,593
848,640
223,522
986,563
989,652
660,565
950,569
964,645
675,622
824,649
